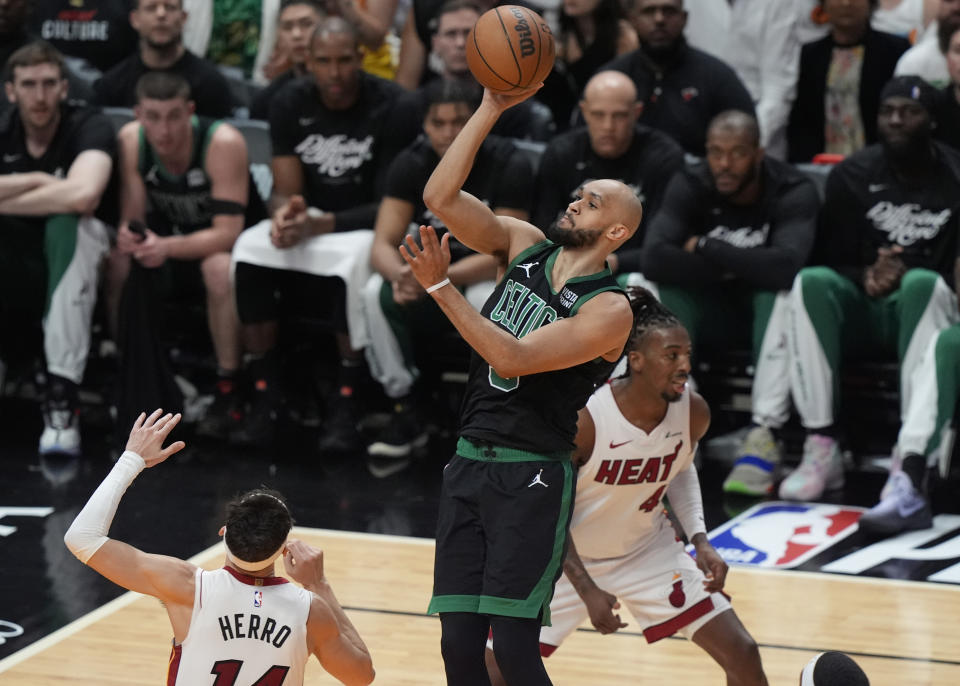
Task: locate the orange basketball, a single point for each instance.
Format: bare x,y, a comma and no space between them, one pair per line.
510,48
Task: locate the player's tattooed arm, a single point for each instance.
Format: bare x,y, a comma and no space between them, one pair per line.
600,604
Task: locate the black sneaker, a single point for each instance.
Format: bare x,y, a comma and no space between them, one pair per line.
339,433
259,426
403,434
225,413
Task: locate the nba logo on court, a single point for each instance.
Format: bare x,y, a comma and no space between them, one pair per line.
258,598
783,535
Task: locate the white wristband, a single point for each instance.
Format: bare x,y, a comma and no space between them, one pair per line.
438,286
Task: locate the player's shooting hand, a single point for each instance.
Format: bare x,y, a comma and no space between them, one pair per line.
600,606
149,433
430,263
503,101
711,564
151,252
304,563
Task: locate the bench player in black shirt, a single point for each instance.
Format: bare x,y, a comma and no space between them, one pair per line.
56,160
890,242
732,234
548,335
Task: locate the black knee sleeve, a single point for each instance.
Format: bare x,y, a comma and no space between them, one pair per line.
463,640
516,645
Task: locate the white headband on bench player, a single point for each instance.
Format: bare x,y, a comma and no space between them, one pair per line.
251,566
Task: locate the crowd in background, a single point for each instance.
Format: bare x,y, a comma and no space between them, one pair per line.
725,117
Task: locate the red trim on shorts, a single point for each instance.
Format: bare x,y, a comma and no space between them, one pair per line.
546,650
256,580
174,665
673,625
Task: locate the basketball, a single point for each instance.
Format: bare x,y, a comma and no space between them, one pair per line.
510,48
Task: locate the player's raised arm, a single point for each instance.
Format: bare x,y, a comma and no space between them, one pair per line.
473,223
167,578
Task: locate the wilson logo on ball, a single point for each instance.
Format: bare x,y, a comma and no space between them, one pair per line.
510,49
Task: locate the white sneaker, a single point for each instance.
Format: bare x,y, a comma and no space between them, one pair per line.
61,432
821,469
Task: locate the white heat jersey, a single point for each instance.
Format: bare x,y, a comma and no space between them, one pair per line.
244,631
620,489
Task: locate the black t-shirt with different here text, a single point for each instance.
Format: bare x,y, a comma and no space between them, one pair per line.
97,31
501,177
868,206
345,153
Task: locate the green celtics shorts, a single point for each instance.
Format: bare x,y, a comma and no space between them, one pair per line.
502,531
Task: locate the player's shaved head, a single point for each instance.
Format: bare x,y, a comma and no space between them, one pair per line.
610,84
335,26
737,123
630,207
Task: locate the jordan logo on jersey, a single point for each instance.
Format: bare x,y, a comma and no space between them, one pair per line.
258,598
636,471
527,267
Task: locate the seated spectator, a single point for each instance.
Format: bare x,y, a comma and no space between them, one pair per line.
14,35
759,39
948,100
905,501
414,67
681,88
334,135
529,119
97,32
159,24
612,145
592,32
186,178
295,26
889,230
926,58
405,322
838,89
56,164
730,236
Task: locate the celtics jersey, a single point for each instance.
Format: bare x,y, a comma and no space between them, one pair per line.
537,413
178,203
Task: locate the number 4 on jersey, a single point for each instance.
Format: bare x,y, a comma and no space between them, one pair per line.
228,670
651,503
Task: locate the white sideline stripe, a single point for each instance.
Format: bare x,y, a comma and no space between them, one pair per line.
201,557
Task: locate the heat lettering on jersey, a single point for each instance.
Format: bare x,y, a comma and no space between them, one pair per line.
242,625
638,470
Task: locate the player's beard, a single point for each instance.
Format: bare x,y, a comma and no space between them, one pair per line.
572,238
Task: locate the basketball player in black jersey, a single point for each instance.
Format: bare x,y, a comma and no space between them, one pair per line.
548,335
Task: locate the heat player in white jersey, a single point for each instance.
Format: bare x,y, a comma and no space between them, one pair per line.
635,444
236,626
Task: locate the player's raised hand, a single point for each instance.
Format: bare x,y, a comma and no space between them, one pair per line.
502,101
149,433
430,260
711,564
600,607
